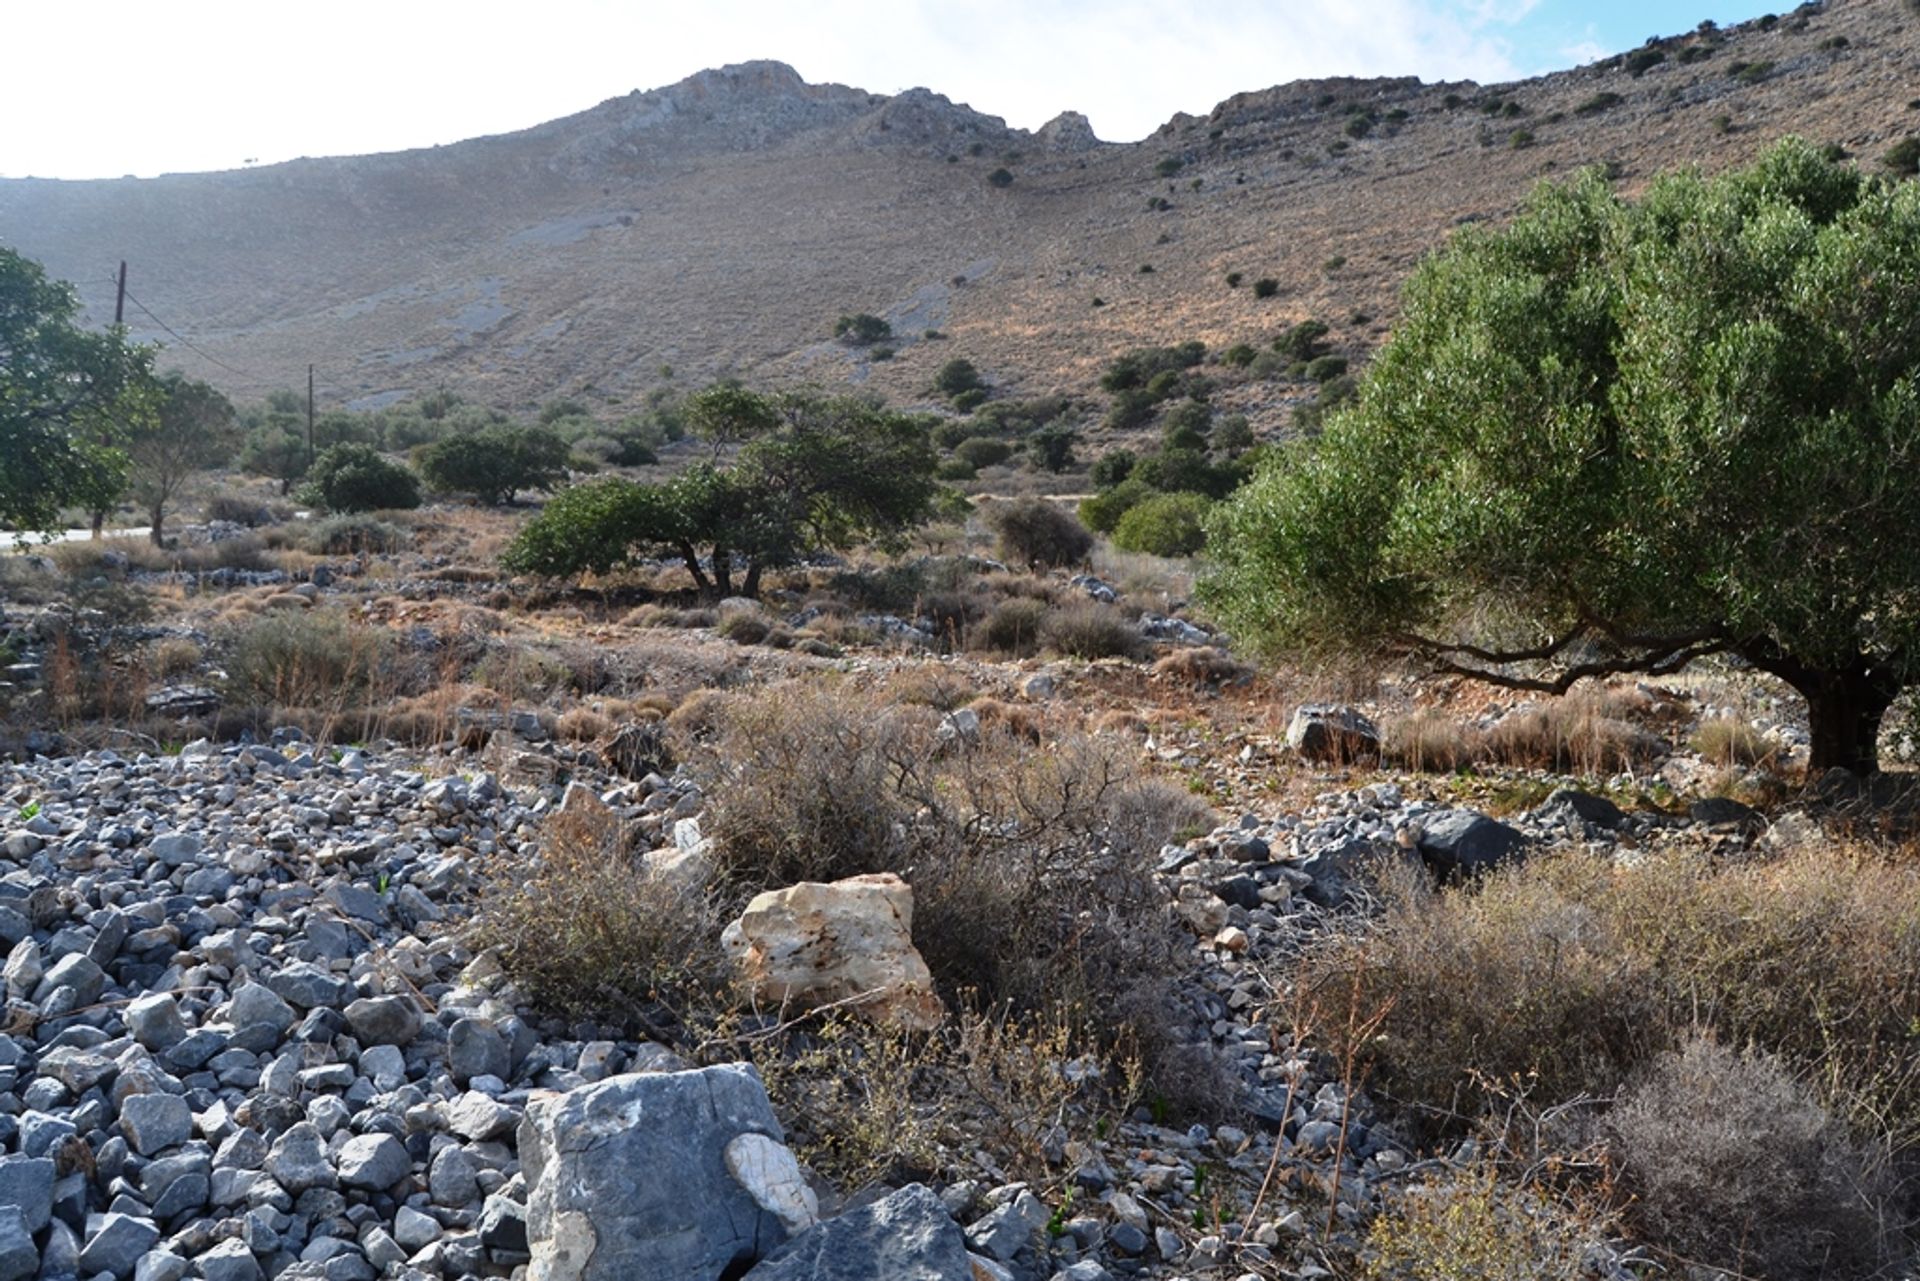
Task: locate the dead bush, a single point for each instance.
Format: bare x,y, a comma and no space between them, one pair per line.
174,656
1431,742
1570,973
581,725
1038,532
1031,870
1203,666
1018,719
1473,1223
1733,1162
1091,630
745,627
1727,741
931,685
1582,733
309,659
590,931
697,717
1013,627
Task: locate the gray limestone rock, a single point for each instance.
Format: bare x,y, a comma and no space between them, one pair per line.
373,1161
18,1256
155,1122
908,1236
628,1178
115,1243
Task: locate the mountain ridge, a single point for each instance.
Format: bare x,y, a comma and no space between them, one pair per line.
720,224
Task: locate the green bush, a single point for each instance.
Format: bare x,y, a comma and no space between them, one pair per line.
1036,532
861,329
1103,511
495,463
1112,467
1001,178
1240,355
1324,369
1598,103
1903,157
982,451
1051,448
1164,525
968,401
1303,341
1641,61
1265,287
355,478
958,376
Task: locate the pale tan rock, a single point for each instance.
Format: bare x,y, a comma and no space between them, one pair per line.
816,943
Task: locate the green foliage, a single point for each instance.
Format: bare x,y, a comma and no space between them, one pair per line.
1641,61
494,464
957,377
191,429
1169,167
982,451
355,478
1240,355
1683,422
1164,525
1112,467
1265,287
1001,178
1903,157
275,449
1303,341
1104,510
813,473
66,400
1234,278
860,329
1051,448
1323,369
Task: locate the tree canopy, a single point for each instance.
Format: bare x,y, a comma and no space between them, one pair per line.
67,399
807,473
494,463
1615,437
191,429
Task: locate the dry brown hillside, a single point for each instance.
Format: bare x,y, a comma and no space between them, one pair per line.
720,225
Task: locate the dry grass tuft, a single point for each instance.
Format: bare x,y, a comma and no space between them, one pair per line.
1585,733
1431,742
1203,667
1728,742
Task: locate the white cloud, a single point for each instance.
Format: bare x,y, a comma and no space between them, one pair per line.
211,83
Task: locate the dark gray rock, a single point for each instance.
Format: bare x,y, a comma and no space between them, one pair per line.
1714,811
452,1179
298,1160
1333,735
1461,842
154,1021
476,1048
18,1256
155,1122
374,1162
115,1243
26,1183
503,1225
907,1236
628,1177
384,1020
1585,806
306,986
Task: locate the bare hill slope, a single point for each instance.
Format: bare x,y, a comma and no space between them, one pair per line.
721,224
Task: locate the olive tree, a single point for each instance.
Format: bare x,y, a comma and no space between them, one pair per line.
191,429
806,473
1617,437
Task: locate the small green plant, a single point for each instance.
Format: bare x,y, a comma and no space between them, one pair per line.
1641,61
1001,178
1169,166
1903,157
1265,287
1338,261
861,329
1598,103
29,811
1233,279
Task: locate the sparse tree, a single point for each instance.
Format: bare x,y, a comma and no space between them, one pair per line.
191,430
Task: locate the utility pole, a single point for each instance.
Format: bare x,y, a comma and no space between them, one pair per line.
309,415
119,319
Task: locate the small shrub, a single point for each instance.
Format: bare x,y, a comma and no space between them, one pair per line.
1520,139
1726,741
1112,467
1164,525
1471,1224
1091,630
982,451
588,931
1580,733
1036,532
1334,263
1001,178
355,478
1234,278
1265,287
1903,157
1641,61
745,627
1431,742
495,463
1324,369
957,376
968,401
356,535
238,509
1203,666
1733,1162
1239,356
1012,628
862,329
1170,166
305,659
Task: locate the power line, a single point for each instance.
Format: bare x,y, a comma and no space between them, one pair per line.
257,380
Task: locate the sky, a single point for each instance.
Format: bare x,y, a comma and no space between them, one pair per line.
118,87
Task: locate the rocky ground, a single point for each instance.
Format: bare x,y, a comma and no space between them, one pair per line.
245,1038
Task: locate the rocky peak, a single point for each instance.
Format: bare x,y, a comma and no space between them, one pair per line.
1067,132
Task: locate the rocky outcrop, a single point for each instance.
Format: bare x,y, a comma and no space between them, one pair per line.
1330,734
815,943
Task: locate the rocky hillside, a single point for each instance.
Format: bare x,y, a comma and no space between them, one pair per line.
721,224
